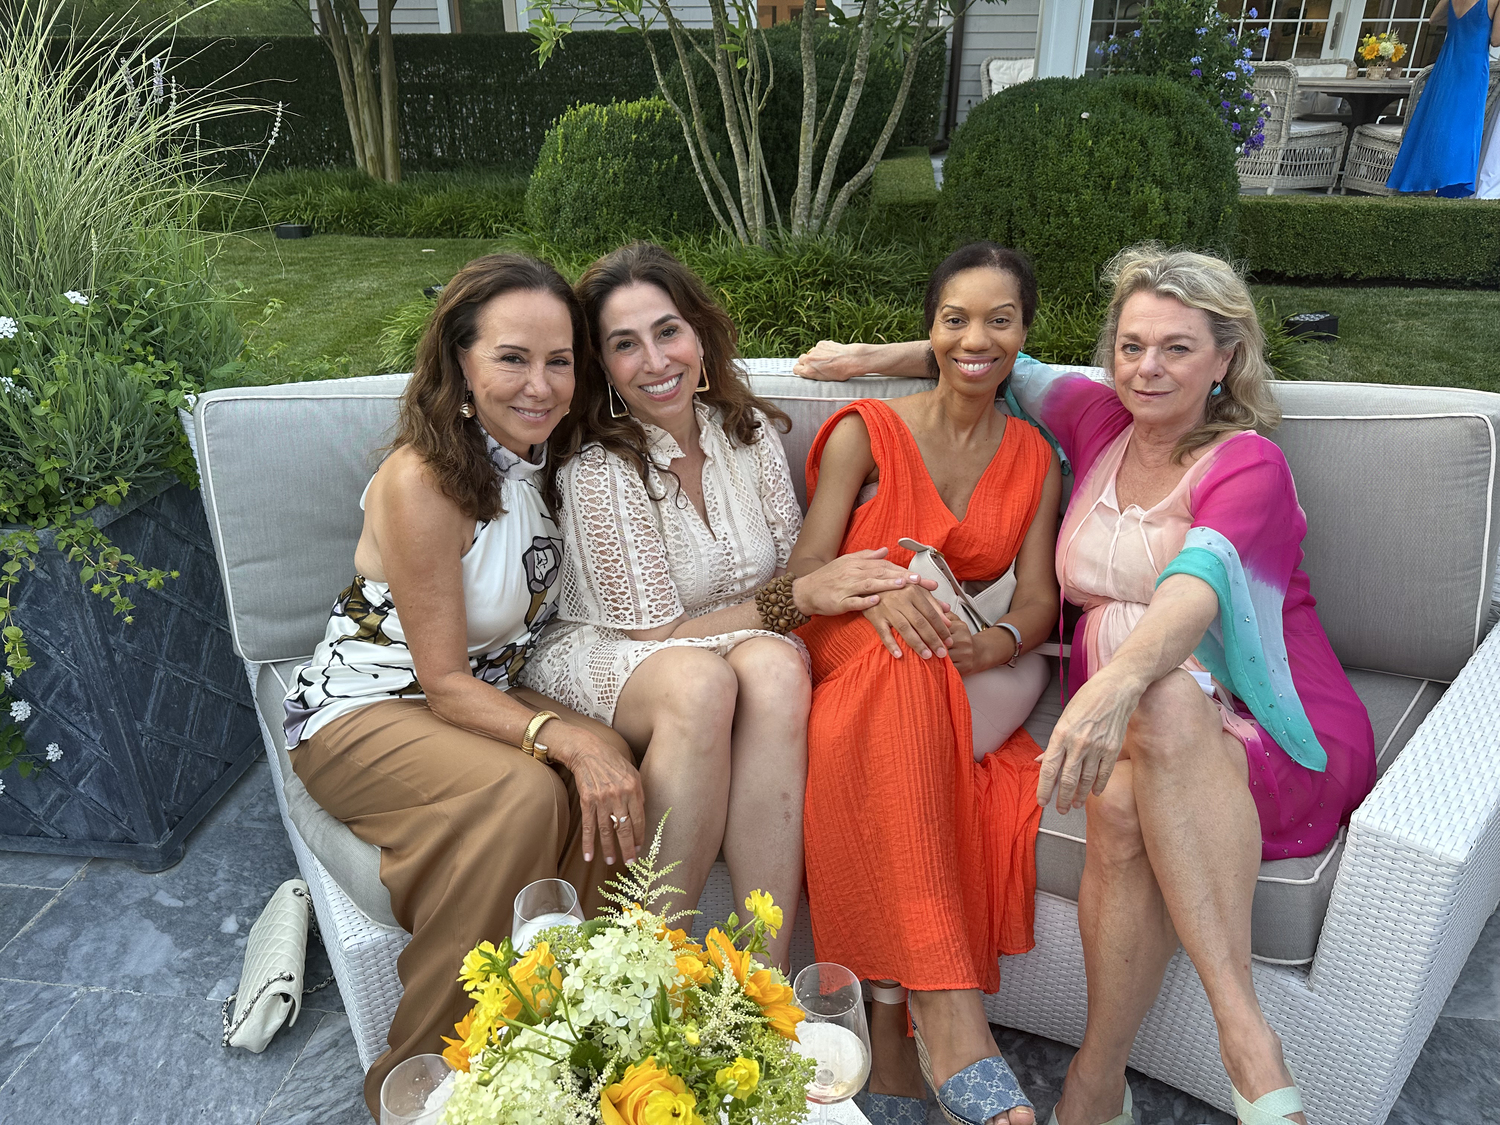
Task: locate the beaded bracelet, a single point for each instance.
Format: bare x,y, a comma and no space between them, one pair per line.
778,611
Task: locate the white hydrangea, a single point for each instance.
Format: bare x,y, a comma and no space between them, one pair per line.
8,678
54,752
20,710
523,1091
2,785
75,297
8,328
613,982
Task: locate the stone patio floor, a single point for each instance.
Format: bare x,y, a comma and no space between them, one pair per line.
111,982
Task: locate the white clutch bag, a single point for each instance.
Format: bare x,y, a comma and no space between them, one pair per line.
981,609
270,993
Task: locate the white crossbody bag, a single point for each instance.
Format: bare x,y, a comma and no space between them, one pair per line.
270,993
979,608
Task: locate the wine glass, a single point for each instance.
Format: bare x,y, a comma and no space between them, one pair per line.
543,904
834,1035
415,1091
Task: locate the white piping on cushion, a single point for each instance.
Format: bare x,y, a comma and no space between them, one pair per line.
1422,687
1316,875
1482,610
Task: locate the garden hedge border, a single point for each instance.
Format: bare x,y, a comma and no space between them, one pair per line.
1419,241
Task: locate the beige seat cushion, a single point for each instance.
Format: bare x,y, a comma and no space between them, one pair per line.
1291,895
354,864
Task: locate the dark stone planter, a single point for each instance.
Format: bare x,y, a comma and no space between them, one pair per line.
154,718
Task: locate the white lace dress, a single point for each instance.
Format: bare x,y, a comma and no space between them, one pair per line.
634,562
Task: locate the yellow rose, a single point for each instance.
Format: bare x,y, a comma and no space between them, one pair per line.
765,909
739,1078
775,1000
648,1095
531,976
694,969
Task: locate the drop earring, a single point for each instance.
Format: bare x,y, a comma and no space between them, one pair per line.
702,380
1217,391
614,397
467,409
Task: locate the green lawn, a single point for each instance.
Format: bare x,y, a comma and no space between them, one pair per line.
337,290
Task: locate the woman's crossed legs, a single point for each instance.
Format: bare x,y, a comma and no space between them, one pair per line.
725,743
1173,853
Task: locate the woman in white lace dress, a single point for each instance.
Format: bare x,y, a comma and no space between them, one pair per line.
677,517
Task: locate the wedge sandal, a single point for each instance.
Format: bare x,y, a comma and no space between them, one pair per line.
977,1092
1126,1117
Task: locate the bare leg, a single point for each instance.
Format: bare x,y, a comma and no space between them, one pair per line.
679,705
1127,941
893,1055
1202,835
768,774
957,1034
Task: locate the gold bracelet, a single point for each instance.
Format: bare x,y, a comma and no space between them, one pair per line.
776,606
529,744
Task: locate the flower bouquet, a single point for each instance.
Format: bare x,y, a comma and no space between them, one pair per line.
1381,52
626,1021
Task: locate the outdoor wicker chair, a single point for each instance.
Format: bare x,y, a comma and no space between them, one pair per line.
1297,154
1372,152
999,71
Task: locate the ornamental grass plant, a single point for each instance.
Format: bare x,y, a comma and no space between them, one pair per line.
108,317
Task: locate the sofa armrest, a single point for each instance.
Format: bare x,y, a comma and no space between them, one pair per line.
1421,872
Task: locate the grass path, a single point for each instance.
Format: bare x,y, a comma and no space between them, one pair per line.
338,289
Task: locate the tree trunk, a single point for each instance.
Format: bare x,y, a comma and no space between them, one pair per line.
846,116
734,125
389,113
807,143
331,30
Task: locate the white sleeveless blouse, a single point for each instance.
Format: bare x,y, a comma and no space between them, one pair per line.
510,594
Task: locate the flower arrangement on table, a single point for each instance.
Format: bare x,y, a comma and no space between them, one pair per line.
1385,48
626,1021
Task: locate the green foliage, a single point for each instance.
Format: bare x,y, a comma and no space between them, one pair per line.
1415,240
344,201
613,172
1194,43
466,101
401,332
1071,170
262,364
198,17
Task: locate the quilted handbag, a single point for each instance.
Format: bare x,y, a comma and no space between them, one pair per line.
270,992
982,608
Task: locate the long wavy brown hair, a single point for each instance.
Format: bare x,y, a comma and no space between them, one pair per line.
453,446
591,422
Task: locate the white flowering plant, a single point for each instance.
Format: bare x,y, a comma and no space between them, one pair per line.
1195,44
627,1021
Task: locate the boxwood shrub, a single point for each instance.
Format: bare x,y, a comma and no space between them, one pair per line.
608,172
1071,170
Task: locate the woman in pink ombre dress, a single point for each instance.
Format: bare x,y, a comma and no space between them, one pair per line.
1210,723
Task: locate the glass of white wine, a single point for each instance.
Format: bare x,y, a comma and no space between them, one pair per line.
542,905
834,1035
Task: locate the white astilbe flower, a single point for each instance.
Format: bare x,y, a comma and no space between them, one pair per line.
54,752
76,298
8,328
20,710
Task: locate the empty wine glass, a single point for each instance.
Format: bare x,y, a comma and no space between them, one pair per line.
541,905
415,1091
834,1035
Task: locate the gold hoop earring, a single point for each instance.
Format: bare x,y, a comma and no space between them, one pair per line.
615,396
702,380
467,409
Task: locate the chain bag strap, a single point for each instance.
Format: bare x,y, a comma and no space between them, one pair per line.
981,609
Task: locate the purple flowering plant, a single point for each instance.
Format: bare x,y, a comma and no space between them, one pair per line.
1192,42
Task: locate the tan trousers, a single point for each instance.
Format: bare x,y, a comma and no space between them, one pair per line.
463,822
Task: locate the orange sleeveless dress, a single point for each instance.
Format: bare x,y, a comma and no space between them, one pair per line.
921,863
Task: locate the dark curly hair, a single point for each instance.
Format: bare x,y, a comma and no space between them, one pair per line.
453,446
645,263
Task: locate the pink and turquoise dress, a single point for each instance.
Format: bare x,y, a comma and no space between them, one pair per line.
1234,522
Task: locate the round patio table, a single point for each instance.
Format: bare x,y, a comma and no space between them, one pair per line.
1366,98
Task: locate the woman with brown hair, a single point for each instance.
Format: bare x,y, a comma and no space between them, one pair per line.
407,723
678,517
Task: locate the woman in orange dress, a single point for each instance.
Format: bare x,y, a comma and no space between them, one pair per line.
920,841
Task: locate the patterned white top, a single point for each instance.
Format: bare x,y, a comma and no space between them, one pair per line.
636,555
510,594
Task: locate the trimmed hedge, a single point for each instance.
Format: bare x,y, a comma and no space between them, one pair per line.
1371,238
612,172
467,101
1072,170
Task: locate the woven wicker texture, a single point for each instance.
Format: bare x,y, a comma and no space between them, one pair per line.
1372,150
1296,154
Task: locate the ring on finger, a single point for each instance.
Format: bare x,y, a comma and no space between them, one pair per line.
621,819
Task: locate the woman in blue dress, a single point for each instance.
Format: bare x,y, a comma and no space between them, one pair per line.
1440,151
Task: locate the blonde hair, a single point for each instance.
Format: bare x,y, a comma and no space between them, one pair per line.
1210,284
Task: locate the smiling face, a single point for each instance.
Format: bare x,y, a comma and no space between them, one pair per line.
1166,362
651,354
977,331
519,369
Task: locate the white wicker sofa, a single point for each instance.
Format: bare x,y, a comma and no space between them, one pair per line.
1357,948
